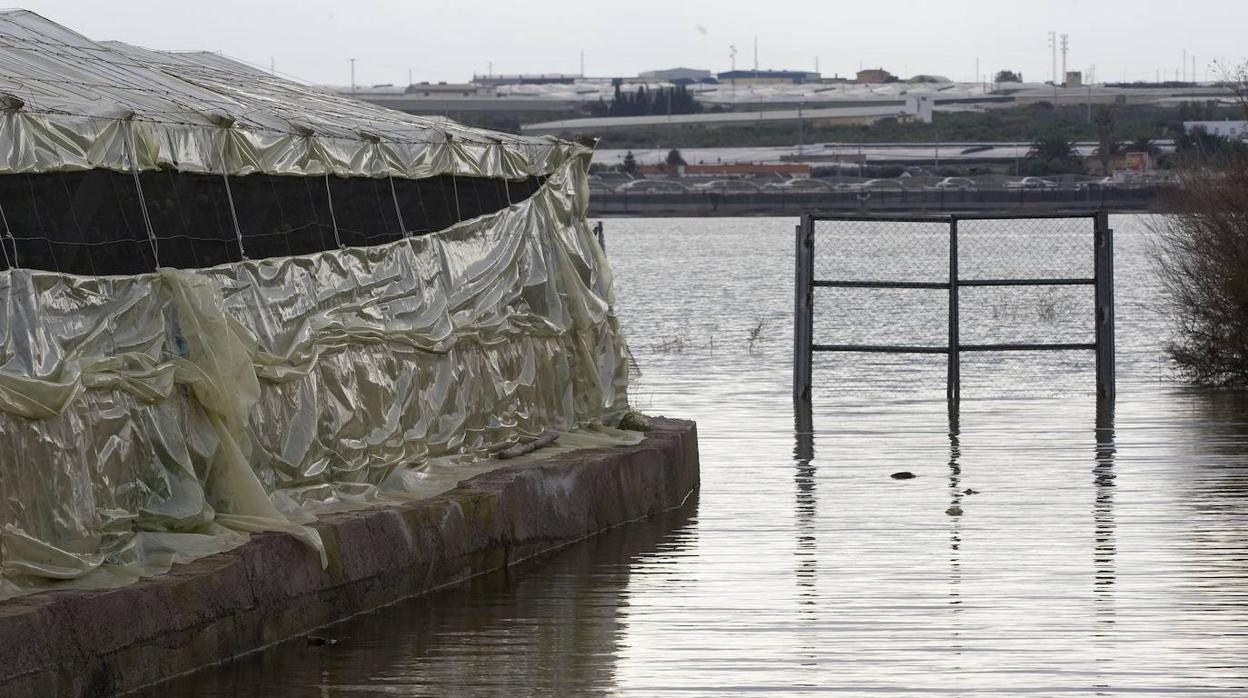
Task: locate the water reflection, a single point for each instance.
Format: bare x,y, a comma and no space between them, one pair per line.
955,512
1103,510
514,632
807,546
1104,549
1103,552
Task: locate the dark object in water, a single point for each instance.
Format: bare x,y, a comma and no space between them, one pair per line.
903,475
954,510
318,641
548,437
970,491
634,421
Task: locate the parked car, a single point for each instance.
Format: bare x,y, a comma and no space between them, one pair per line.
883,185
1102,183
957,184
653,186
728,186
804,184
1031,183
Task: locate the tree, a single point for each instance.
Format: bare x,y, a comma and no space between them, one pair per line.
1008,76
675,161
1051,146
1144,143
1201,254
630,163
1105,122
1199,147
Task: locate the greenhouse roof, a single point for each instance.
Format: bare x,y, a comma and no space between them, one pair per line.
71,103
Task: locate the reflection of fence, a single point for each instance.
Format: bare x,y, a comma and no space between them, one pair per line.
777,203
1017,279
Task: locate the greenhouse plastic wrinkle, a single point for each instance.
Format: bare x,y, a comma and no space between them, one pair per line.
236,395
151,419
70,103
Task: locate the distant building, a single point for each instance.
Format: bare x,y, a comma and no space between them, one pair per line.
1074,79
1226,129
1138,162
732,169
768,77
534,79
427,89
677,75
874,76
920,107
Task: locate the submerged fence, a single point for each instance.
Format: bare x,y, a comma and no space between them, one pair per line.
980,286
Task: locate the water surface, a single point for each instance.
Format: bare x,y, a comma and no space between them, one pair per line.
1095,553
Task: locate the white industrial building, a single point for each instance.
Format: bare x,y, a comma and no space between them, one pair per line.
1226,129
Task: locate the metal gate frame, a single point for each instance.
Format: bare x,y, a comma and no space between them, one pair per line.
805,284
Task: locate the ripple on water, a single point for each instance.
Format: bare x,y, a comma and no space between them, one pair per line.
1092,557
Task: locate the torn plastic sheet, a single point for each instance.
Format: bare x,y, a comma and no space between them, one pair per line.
148,419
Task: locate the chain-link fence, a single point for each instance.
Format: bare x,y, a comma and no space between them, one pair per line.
987,306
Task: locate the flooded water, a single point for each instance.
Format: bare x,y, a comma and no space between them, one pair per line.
1094,554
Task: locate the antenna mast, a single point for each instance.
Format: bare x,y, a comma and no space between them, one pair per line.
1065,49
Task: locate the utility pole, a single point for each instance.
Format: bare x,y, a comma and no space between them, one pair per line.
976,69
1065,49
409,77
1194,69
582,64
801,133
1053,47
732,55
1183,65
352,75
756,56
272,66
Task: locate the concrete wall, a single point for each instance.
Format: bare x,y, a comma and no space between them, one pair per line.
89,643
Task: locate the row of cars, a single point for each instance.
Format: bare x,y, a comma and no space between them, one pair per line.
807,185
746,186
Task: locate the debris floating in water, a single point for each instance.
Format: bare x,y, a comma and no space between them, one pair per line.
954,510
903,475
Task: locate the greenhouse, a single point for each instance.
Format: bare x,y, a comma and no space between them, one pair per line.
229,302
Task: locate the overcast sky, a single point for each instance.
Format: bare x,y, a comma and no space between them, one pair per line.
313,39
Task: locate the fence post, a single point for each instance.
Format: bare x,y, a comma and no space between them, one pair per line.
803,316
953,387
1104,243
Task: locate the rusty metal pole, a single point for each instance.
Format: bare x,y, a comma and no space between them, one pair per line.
1104,242
803,311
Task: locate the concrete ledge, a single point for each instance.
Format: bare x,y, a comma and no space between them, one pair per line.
93,643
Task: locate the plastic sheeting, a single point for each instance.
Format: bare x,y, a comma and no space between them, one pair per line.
70,103
247,396
151,419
